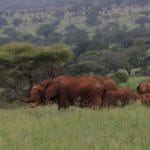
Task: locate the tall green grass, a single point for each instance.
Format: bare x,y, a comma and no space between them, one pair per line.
46,128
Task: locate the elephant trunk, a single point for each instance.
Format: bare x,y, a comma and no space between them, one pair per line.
24,99
28,101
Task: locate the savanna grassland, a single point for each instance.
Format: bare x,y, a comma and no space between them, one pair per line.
43,128
97,37
47,128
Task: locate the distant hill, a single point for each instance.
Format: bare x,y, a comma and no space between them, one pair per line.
39,4
71,21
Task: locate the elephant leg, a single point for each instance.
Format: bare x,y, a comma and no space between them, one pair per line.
81,104
105,103
85,102
45,102
50,102
63,100
39,102
33,105
96,102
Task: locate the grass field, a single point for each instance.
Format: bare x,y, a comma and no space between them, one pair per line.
83,129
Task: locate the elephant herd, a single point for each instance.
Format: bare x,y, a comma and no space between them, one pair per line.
86,91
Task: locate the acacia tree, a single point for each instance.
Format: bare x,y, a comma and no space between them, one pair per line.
21,63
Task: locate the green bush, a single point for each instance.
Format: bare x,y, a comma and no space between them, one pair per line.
120,76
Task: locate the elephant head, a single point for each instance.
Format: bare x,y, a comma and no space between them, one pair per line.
144,87
37,93
45,91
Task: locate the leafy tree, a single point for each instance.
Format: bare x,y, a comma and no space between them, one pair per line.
142,21
75,35
17,21
92,16
82,47
115,61
107,60
59,13
84,67
13,34
4,40
136,55
28,37
142,42
54,37
23,63
71,28
145,69
3,21
145,12
45,30
139,32
97,44
47,33
35,20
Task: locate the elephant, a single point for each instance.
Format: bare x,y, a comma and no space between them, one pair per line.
109,84
46,92
68,90
120,96
143,87
86,88
145,99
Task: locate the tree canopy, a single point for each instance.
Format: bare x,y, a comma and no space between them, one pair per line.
22,63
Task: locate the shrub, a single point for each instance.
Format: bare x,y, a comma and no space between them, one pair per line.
120,76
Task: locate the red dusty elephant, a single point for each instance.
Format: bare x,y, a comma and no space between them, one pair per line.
86,88
143,87
109,84
38,93
145,99
67,89
120,96
46,92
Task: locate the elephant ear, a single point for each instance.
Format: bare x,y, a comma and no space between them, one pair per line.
52,90
45,83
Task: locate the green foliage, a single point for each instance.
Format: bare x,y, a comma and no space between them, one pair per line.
24,62
15,52
46,30
108,61
106,23
3,21
142,20
17,21
83,68
75,35
120,76
136,55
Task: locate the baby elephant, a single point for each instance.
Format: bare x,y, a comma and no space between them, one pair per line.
144,87
145,99
120,97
